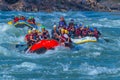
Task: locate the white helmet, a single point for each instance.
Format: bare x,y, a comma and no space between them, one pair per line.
54,26
33,29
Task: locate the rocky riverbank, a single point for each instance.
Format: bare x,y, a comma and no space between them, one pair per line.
57,5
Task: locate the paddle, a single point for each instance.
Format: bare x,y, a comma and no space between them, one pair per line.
10,22
106,40
27,51
20,45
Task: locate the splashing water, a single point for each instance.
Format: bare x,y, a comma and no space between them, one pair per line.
94,61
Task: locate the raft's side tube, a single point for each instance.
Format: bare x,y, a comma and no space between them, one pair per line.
84,40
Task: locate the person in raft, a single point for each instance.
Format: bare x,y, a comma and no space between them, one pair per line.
44,34
62,23
32,37
31,20
16,19
55,33
64,38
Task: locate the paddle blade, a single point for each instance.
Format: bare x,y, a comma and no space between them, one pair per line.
10,22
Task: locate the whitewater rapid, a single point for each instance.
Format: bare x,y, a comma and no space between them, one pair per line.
93,61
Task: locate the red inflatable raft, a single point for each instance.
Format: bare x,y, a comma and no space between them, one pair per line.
43,45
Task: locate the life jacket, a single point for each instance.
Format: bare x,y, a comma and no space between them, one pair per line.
27,37
31,21
78,32
45,34
35,36
69,28
23,18
62,39
96,34
62,23
16,19
84,33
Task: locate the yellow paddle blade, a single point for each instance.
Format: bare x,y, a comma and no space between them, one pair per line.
10,22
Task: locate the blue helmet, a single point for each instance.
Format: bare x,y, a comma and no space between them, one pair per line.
91,29
85,27
72,20
80,24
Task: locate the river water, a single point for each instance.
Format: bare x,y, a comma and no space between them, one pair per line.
92,61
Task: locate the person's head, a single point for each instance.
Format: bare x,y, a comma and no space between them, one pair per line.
80,25
29,31
22,16
72,21
62,31
15,16
31,17
95,29
91,29
54,27
37,31
66,32
34,30
43,28
61,18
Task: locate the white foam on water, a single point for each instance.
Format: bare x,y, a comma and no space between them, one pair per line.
4,27
7,77
4,51
93,54
97,70
103,19
21,38
97,24
65,67
27,65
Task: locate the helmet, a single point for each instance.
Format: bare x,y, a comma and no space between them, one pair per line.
42,26
91,29
54,26
31,17
72,20
29,31
62,30
37,31
33,29
66,32
85,27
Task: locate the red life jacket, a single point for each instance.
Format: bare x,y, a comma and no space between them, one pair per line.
62,38
29,21
16,19
77,32
27,37
22,18
84,33
96,34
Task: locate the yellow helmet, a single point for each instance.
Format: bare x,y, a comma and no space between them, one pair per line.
62,30
66,32
37,31
29,31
